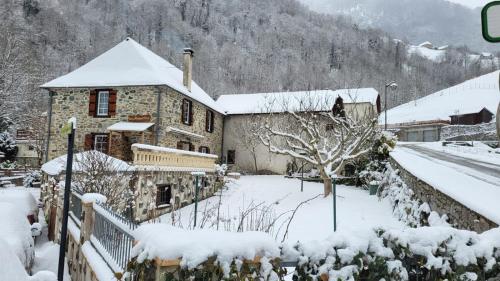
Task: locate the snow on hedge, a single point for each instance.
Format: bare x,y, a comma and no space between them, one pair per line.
444,251
22,198
15,230
196,246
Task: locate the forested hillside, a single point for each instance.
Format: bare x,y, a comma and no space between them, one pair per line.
240,47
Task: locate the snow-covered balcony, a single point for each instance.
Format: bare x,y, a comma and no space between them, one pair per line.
151,157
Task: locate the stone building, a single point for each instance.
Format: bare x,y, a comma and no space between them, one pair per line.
135,106
242,149
131,95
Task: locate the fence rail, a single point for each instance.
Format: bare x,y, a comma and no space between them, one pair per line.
75,206
114,233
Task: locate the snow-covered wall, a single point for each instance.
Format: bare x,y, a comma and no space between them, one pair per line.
459,215
480,132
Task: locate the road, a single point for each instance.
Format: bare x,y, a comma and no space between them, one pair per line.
472,167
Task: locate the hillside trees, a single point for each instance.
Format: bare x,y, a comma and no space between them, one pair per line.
240,46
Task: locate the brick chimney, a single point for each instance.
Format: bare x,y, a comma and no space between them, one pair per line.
188,68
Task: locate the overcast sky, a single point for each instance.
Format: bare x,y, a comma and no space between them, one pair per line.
472,3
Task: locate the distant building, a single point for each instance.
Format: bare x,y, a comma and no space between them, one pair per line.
483,116
469,103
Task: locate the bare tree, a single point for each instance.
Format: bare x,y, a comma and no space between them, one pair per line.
96,172
306,129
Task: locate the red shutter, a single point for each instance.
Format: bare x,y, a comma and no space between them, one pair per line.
112,103
199,149
191,147
190,113
89,142
179,145
92,103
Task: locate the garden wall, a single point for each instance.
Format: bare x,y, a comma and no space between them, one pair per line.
459,215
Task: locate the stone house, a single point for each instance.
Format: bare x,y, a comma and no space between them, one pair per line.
131,95
243,153
135,106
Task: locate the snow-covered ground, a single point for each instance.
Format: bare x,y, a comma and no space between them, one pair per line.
278,197
461,180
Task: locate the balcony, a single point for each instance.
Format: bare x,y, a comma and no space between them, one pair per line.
149,157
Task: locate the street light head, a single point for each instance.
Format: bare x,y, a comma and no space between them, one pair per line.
393,85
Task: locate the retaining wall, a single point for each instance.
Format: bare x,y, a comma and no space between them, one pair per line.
459,215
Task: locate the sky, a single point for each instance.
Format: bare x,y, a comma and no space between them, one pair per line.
471,3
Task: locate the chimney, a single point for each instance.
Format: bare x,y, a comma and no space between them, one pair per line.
188,68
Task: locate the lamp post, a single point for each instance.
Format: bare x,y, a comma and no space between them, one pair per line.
197,176
393,87
69,130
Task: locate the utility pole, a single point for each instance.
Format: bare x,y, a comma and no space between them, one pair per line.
68,129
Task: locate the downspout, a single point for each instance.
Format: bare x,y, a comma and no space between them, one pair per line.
157,125
49,116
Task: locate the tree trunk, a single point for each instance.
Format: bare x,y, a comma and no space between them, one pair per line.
254,154
327,182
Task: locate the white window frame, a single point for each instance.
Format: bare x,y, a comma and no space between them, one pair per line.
204,149
186,104
98,144
103,106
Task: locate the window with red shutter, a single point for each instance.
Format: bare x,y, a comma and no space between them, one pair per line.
112,103
89,142
92,102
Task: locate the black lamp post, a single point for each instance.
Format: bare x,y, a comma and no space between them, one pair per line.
393,87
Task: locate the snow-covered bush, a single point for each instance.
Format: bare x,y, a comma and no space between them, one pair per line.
383,145
8,145
8,165
406,207
427,253
230,256
31,177
221,170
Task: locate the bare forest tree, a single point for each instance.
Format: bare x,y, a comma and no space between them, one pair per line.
319,131
98,173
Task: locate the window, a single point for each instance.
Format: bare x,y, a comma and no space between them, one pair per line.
204,149
101,143
209,121
163,195
184,145
102,103
231,157
187,112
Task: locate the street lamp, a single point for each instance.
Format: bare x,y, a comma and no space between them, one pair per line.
393,87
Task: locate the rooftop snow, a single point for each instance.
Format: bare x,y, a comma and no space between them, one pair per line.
130,126
468,97
323,100
58,165
130,64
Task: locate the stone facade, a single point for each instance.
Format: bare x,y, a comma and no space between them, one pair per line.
182,186
69,102
459,215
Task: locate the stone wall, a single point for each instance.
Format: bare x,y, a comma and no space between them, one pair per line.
479,132
182,191
459,215
69,102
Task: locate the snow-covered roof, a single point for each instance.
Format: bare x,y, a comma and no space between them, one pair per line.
172,150
427,52
468,97
58,165
130,126
183,132
322,100
130,64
